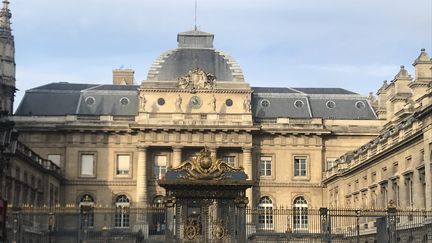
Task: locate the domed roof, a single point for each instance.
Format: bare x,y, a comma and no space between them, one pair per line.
195,50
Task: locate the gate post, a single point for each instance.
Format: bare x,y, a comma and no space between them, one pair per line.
325,225
170,224
392,221
241,203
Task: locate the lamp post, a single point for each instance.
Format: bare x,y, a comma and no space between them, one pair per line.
50,226
86,207
16,226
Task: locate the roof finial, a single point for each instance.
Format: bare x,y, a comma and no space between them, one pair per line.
5,4
5,16
196,10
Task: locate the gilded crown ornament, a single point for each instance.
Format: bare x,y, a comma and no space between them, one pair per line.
205,167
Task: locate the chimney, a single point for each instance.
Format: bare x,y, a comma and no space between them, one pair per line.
382,100
123,76
398,93
423,78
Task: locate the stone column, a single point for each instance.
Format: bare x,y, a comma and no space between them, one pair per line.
141,190
247,165
141,187
177,156
428,169
418,190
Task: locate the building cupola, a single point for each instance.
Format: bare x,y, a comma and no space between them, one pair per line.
195,39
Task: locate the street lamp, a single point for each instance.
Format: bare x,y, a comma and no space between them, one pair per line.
15,226
86,207
50,226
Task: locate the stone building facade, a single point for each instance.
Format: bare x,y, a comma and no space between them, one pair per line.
395,165
115,140
108,144
25,177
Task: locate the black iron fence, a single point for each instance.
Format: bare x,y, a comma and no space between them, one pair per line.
86,224
270,224
339,225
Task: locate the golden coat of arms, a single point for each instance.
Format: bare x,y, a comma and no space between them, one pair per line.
197,79
205,167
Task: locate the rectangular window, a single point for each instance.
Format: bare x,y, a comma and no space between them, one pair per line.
87,164
300,166
410,192
55,158
384,196
266,166
160,163
230,160
396,194
122,164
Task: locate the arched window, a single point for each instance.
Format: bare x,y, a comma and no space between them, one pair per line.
300,214
122,206
157,226
86,211
265,213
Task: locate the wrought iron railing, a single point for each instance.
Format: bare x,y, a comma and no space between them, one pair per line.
270,224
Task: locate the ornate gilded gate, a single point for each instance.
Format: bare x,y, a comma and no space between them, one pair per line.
205,201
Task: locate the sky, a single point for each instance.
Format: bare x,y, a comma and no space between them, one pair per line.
279,43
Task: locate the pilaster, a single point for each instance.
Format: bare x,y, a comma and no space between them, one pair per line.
418,190
177,156
428,168
141,187
247,165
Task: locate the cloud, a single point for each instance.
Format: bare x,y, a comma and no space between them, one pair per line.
296,42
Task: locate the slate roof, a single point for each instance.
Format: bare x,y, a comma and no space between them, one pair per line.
273,90
195,50
57,99
324,91
180,61
64,86
48,103
271,102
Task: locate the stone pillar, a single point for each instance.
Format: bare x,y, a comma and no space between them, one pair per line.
428,172
177,156
248,168
141,190
247,165
418,190
141,187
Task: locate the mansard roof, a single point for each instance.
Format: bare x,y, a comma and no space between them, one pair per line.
58,99
327,103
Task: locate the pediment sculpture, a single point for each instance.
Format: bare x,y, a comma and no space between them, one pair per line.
197,79
205,167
